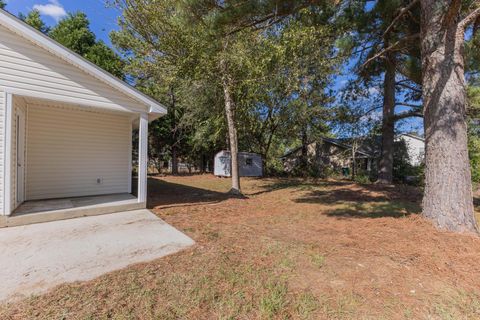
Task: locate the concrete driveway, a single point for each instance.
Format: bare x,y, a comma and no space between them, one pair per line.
35,258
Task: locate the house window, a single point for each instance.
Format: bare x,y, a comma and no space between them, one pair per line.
249,162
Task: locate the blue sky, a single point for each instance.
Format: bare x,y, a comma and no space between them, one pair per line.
103,19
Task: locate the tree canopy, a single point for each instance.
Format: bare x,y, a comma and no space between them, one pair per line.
74,33
273,72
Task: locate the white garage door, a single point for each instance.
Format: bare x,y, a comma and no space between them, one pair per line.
72,152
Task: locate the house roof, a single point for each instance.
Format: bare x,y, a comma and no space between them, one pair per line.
333,141
21,28
369,146
411,135
240,152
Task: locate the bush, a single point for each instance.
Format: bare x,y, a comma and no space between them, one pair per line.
362,178
474,153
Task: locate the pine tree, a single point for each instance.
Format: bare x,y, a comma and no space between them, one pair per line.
384,38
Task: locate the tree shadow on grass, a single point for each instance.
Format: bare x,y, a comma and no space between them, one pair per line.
365,202
393,209
164,194
298,183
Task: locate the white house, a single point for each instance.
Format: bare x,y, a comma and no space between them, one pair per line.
65,130
249,164
415,146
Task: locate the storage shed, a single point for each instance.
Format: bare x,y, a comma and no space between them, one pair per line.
65,131
250,164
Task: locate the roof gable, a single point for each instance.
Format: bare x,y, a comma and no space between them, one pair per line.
18,27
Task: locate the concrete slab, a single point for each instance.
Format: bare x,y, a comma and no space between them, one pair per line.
38,211
35,206
35,258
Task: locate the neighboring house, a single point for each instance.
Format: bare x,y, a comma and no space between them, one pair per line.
249,164
415,146
66,125
335,154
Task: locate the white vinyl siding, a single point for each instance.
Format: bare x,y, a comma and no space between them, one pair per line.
68,149
28,68
2,144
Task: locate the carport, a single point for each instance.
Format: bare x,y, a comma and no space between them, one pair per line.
66,132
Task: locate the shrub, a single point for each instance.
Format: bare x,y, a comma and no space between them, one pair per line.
474,154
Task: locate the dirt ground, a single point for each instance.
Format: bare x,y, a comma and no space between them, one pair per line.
290,249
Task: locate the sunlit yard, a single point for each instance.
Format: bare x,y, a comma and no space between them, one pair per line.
291,249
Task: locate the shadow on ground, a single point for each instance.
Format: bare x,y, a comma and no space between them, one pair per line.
366,201
391,209
164,194
301,184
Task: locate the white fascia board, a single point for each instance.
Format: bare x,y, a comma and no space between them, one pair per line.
16,25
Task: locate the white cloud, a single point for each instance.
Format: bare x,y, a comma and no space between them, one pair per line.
52,9
376,115
373,90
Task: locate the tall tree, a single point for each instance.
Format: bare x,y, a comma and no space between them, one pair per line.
182,40
74,33
3,4
384,34
448,199
34,19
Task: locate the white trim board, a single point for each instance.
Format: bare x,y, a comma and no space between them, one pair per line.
7,177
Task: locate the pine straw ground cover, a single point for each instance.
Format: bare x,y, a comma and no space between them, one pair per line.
291,250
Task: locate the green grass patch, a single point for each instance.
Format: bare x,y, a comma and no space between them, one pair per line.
274,300
318,260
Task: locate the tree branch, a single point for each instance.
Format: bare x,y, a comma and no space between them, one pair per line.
409,75
371,110
392,47
270,18
253,23
408,87
408,105
470,18
407,114
452,12
400,14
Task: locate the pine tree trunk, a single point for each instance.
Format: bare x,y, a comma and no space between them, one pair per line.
447,200
174,160
232,129
173,149
304,152
354,160
385,166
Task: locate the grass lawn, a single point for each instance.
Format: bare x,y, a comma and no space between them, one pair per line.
291,250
